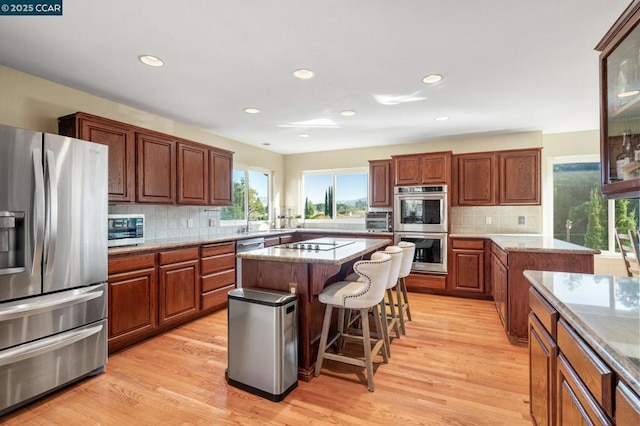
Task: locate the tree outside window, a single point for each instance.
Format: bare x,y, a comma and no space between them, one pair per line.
250,188
581,214
339,195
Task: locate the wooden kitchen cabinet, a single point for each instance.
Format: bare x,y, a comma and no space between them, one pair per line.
499,282
497,178
627,405
179,290
467,265
218,268
119,137
476,177
620,105
543,352
511,288
381,183
570,384
519,178
155,169
151,167
220,177
192,174
422,169
133,313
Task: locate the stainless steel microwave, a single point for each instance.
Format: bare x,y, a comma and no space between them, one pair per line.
378,221
125,229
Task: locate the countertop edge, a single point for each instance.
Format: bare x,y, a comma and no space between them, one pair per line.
602,349
500,241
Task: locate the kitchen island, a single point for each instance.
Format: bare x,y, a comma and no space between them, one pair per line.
308,267
584,347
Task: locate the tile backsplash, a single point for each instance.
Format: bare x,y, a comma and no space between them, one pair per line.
174,221
496,219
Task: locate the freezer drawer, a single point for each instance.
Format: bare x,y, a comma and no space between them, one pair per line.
25,320
36,368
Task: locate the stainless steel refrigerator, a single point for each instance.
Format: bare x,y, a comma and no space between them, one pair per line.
53,263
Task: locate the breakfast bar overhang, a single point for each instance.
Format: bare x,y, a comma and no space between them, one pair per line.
309,266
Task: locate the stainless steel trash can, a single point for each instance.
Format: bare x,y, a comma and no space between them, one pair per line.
263,342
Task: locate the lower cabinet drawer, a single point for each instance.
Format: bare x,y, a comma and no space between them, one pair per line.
627,406
593,372
575,404
416,282
218,280
216,298
218,263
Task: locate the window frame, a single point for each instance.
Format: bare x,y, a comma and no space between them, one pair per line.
548,214
333,173
270,213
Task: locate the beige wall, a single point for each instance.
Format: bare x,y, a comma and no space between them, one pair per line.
34,103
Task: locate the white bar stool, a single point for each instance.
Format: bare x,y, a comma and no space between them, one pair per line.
409,251
391,321
357,295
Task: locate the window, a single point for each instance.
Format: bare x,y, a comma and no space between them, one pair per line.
250,188
335,195
581,214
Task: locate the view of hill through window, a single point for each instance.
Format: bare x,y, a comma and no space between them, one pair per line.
335,196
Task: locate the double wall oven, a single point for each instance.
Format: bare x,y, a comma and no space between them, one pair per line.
420,217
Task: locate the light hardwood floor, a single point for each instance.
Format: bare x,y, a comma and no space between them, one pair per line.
455,366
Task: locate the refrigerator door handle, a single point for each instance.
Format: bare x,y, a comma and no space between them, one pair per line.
46,345
38,213
52,179
25,309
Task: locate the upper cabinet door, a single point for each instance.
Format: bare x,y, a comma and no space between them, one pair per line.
193,174
220,177
407,170
121,143
380,183
520,178
620,106
436,168
476,179
156,170
432,168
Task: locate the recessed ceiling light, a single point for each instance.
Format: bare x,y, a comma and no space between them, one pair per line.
441,118
303,135
251,110
266,144
432,78
152,61
303,74
348,113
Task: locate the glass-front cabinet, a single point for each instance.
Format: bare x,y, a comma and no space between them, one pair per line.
620,106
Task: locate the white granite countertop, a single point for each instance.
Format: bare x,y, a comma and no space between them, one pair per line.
335,251
530,242
603,310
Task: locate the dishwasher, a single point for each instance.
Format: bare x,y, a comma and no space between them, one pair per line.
244,246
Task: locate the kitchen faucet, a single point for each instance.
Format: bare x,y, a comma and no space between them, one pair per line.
247,228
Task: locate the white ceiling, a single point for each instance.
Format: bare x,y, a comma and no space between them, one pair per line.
508,65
